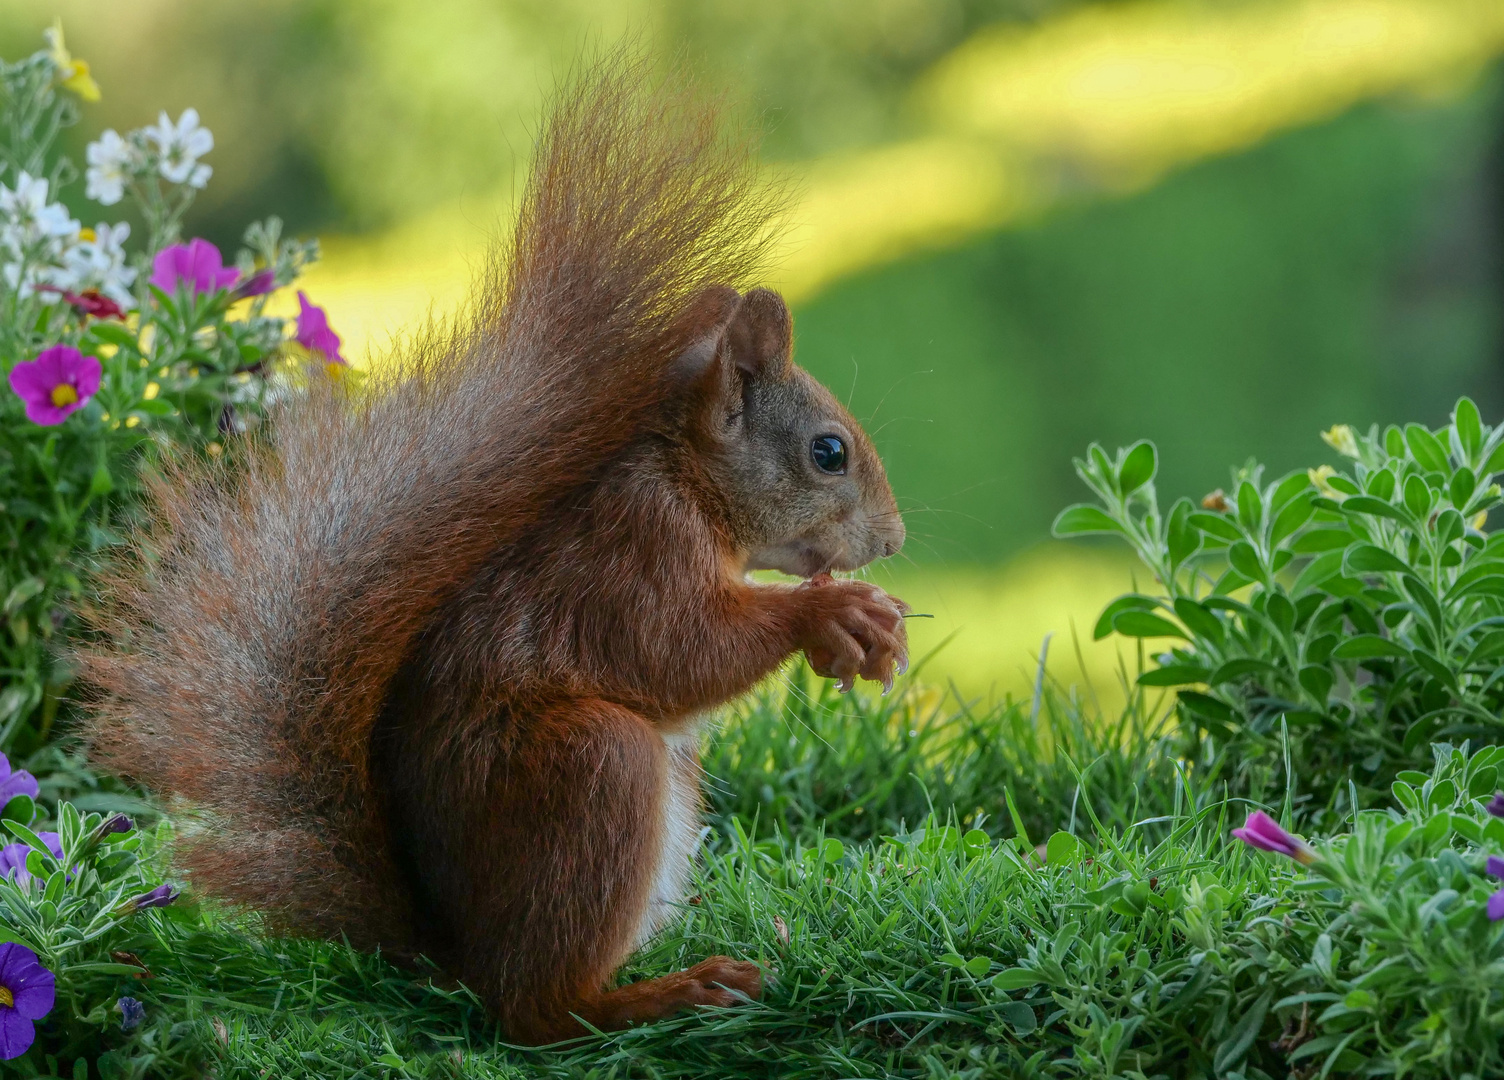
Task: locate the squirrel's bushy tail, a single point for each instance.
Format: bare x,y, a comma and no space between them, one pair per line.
252,640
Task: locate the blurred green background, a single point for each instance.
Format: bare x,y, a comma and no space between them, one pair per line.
1027,224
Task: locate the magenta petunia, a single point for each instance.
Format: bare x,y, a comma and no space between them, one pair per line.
1263,832
60,380
13,857
314,333
196,263
27,993
258,284
15,782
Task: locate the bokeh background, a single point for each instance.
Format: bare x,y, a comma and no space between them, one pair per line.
1023,225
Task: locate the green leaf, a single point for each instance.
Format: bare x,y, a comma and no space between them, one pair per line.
1173,675
1145,624
1495,462
153,407
1181,537
1200,621
1469,428
1019,1016
1372,559
1250,507
1084,518
20,808
101,483
1240,668
1381,485
1206,707
25,589
1417,496
978,966
832,850
1464,483
1233,1049
1063,849
1138,467
1291,518
112,333
1245,561
1130,602
1016,979
1367,504
1288,488
1425,448
1317,681
952,959
1215,525
1367,647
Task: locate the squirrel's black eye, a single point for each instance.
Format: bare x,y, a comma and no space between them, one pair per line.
828,453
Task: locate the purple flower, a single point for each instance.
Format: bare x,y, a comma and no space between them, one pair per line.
314,333
1495,806
13,857
27,993
56,383
161,896
132,1012
19,782
1495,868
1263,832
257,285
198,263
111,825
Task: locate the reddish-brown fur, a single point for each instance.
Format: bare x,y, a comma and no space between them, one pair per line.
415,663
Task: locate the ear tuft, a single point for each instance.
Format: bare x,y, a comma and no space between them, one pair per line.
761,335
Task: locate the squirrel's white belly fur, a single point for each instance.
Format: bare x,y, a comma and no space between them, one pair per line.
678,828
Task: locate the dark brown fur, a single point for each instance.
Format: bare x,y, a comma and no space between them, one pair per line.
415,663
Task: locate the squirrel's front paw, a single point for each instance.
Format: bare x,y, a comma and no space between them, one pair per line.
853,629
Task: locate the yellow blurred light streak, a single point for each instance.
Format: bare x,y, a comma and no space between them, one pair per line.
1114,95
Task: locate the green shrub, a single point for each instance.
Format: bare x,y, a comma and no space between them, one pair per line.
1342,620
155,365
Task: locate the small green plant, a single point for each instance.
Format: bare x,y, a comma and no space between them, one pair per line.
1341,619
110,355
76,907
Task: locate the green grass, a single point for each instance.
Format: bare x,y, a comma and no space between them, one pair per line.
924,935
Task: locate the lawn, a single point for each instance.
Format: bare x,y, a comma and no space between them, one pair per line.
935,891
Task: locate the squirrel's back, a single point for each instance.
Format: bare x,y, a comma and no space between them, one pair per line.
254,640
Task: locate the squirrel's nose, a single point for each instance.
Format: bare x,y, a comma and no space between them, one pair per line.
892,531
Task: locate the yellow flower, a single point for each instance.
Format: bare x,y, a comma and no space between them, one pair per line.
71,74
1320,476
1341,439
87,235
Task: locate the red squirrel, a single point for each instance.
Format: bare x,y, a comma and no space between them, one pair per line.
430,663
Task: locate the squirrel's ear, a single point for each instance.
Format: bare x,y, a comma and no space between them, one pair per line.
703,325
760,338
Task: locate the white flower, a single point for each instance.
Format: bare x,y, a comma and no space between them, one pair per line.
99,263
181,145
34,235
112,164
29,217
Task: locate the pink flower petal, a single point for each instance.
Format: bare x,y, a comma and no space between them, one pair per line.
29,381
86,378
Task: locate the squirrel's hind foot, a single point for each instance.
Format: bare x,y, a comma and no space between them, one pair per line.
719,982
